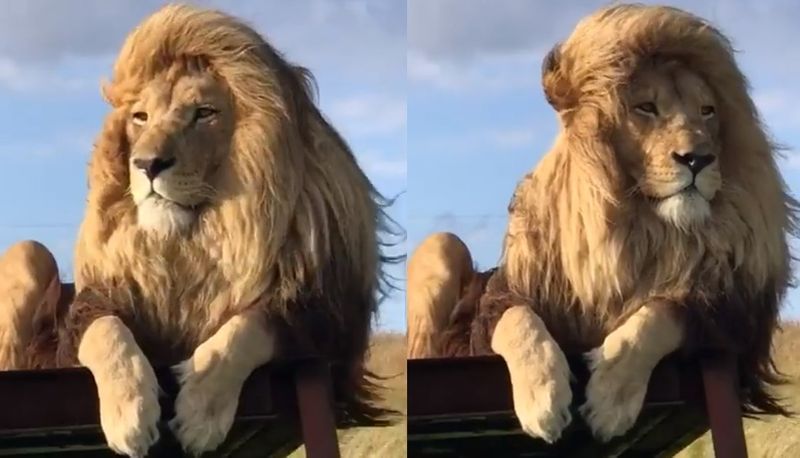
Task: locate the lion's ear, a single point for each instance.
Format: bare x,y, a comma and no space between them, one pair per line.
105,91
110,93
557,89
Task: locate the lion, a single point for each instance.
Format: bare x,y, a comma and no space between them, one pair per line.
227,225
658,222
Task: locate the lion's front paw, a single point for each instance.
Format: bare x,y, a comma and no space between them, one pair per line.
205,407
615,393
542,396
129,413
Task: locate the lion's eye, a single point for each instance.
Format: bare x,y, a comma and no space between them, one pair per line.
204,113
647,108
139,118
707,111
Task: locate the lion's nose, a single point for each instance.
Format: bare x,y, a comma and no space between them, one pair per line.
695,162
153,166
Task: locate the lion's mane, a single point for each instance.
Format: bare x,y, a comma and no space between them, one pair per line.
585,254
296,228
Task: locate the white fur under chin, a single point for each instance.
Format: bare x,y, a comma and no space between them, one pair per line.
684,210
163,217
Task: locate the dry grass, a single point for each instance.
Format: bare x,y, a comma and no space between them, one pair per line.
773,437
387,358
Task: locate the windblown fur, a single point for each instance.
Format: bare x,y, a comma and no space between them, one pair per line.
585,251
295,227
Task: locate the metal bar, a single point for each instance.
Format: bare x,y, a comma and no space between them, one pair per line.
723,407
464,407
315,407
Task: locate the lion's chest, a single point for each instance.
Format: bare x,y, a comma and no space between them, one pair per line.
594,285
179,292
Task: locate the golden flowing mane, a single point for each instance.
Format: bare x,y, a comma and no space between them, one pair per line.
296,226
580,245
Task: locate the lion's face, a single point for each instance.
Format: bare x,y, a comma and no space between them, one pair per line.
668,142
180,129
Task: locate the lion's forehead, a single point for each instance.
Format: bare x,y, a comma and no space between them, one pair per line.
671,85
163,95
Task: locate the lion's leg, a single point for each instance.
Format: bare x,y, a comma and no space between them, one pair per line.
622,365
127,388
212,379
540,374
29,287
93,334
437,272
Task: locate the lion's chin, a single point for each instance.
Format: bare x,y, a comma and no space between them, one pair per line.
164,217
684,210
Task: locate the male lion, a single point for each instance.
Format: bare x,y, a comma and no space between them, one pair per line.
657,221
228,224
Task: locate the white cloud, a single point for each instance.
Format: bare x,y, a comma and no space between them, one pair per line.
378,165
361,38
54,144
779,108
479,31
477,28
513,138
342,38
369,114
474,230
38,78
488,141
510,71
791,159
460,31
48,31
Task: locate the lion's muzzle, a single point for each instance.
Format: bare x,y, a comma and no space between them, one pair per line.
153,166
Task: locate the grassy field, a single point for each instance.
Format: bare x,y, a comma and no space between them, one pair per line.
774,437
388,359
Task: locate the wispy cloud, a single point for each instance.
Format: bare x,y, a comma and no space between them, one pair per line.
472,229
779,107
40,78
491,73
480,32
38,31
369,114
59,144
463,31
486,140
791,160
345,38
512,138
383,166
487,45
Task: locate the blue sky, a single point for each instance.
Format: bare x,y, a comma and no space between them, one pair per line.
458,78
477,119
54,54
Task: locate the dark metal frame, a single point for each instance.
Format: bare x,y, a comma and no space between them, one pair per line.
464,407
722,404
55,413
